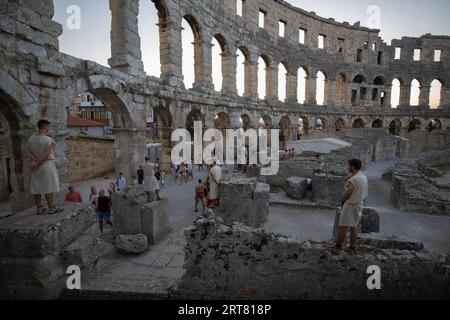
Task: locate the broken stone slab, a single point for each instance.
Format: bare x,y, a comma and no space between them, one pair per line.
85,251
328,189
131,244
296,187
28,235
389,242
134,215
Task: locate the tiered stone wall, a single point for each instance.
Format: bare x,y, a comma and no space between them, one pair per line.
89,159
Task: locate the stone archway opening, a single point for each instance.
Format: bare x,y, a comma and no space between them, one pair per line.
359,124
378,123
434,125
164,126
285,131
395,127
340,124
414,124
13,171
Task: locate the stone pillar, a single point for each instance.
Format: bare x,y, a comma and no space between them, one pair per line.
203,65
405,95
130,146
424,97
445,97
171,53
125,41
251,80
229,64
272,83
291,87
388,96
311,90
330,93
165,136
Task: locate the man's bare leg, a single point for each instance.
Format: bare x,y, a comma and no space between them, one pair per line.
149,197
157,195
353,241
342,234
49,198
38,201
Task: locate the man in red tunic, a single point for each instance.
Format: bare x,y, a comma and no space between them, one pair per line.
73,196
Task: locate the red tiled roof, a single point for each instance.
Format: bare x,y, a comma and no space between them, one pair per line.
73,121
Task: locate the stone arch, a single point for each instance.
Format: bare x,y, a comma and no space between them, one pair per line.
339,124
304,125
377,123
243,70
192,56
163,11
283,72
359,124
414,124
195,26
321,87
245,121
192,117
263,65
219,53
437,93
302,75
416,91
14,183
380,81
396,92
360,79
434,124
321,123
222,121
266,121
395,127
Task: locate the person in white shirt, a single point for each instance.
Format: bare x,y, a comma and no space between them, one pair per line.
214,178
121,183
352,206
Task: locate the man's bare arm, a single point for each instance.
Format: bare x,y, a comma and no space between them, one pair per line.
348,193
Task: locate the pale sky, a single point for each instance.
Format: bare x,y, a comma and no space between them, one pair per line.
92,41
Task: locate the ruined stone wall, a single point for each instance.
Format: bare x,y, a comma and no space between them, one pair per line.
89,159
244,263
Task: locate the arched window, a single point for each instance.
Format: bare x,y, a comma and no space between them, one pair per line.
301,85
216,51
415,93
263,64
282,82
149,34
240,71
320,93
435,94
395,93
188,36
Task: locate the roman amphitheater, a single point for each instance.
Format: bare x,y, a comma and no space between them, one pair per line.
347,91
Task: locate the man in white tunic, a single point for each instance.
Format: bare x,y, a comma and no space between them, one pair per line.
150,182
44,176
352,205
214,178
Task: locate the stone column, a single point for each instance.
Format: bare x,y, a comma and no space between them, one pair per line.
424,97
165,137
203,65
311,90
229,64
130,147
272,83
330,93
251,80
291,87
405,95
125,41
171,53
388,96
445,97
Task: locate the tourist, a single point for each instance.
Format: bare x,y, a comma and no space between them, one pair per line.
214,178
294,154
103,208
190,170
112,187
73,196
318,165
150,182
44,176
158,173
140,175
200,195
183,172
93,195
352,205
200,167
121,183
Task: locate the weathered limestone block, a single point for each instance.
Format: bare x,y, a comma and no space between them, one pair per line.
370,221
296,187
131,244
134,215
84,251
27,235
35,251
244,200
239,262
328,189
